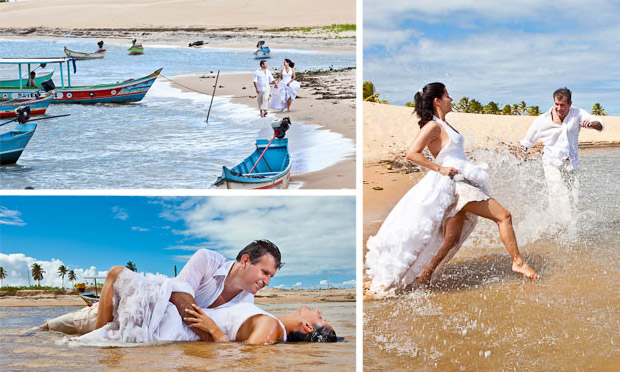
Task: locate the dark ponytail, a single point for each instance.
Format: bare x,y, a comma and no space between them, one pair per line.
291,64
423,100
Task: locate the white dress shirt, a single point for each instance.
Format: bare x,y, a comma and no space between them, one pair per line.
263,79
203,277
561,141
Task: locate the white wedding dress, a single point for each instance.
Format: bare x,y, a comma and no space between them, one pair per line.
284,91
143,313
414,230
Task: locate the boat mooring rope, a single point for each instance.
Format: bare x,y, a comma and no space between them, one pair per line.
184,86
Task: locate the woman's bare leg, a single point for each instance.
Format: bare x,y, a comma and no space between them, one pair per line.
288,104
106,304
492,210
454,227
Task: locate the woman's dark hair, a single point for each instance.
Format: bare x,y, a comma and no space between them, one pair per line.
291,64
258,248
424,101
318,334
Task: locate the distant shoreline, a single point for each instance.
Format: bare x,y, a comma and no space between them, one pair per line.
69,297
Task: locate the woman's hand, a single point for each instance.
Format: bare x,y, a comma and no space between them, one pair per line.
201,321
448,171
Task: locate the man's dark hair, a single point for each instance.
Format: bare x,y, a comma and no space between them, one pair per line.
563,94
258,248
318,334
262,62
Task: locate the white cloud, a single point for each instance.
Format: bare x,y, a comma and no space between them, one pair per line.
120,213
323,282
18,266
141,229
347,284
10,217
314,234
296,285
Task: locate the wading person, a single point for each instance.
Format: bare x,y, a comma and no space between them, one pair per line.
262,79
430,223
558,129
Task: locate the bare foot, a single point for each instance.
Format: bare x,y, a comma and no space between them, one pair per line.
520,267
425,277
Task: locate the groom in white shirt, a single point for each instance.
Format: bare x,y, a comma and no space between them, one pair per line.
558,130
262,79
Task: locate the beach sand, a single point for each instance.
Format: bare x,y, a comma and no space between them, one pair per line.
34,298
325,98
230,23
389,129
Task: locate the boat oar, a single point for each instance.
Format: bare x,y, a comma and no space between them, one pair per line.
261,155
213,95
37,119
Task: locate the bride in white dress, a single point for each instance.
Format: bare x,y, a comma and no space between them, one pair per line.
283,96
430,223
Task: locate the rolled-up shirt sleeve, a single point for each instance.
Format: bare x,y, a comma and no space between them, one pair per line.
200,266
531,137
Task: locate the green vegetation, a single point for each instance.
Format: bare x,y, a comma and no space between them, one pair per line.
597,109
31,287
473,106
72,277
334,29
2,275
62,271
370,95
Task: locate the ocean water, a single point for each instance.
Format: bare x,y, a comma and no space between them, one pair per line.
163,141
47,351
481,316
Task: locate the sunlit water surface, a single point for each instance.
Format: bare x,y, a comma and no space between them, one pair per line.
47,351
481,316
163,141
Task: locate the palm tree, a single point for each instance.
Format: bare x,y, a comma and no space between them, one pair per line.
597,109
491,108
71,275
62,271
507,110
475,107
533,111
131,266
37,272
464,105
522,107
2,275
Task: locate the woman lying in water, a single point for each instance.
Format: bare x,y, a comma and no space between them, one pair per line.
142,313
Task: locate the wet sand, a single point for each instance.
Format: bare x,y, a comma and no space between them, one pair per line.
325,98
265,296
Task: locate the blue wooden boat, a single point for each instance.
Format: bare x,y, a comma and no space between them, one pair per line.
13,143
263,51
38,106
273,171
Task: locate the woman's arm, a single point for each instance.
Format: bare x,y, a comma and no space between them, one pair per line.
430,132
202,322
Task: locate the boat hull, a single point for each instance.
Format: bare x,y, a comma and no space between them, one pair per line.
83,55
15,83
125,92
90,298
13,143
37,106
273,171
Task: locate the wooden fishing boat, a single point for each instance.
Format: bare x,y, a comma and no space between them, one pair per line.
13,143
90,298
135,49
15,83
263,51
268,167
132,90
38,106
273,171
84,55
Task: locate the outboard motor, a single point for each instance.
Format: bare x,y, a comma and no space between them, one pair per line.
48,85
23,114
100,44
280,126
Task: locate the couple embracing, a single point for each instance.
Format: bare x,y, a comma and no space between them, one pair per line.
211,300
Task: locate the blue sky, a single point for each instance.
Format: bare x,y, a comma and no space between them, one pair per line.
89,234
505,51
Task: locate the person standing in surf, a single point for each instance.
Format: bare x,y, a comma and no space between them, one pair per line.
262,79
430,223
558,129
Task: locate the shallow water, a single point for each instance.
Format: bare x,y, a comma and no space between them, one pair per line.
46,350
162,141
481,316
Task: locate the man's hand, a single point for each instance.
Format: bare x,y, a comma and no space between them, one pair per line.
198,320
585,123
185,301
